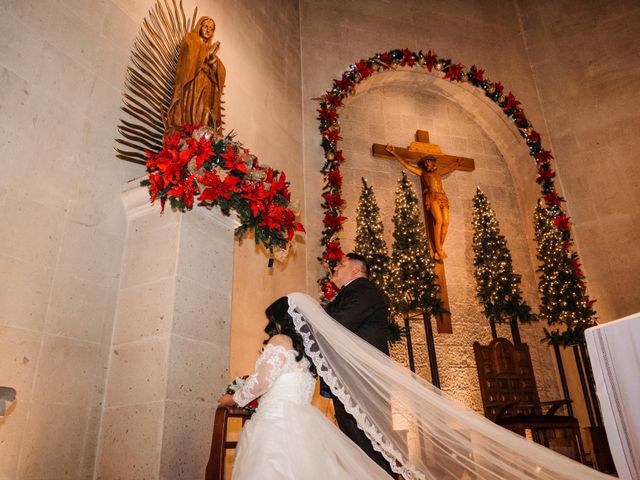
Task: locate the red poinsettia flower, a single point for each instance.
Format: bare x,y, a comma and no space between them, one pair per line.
385,58
477,75
407,57
430,60
333,100
203,151
328,115
280,187
553,199
171,142
185,190
533,137
171,164
543,156
562,222
454,72
189,128
339,156
332,200
334,178
363,68
233,161
257,195
544,173
499,88
333,251
510,103
332,221
216,188
520,118
344,84
332,134
156,185
273,217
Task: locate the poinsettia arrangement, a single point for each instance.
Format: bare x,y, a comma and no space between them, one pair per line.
236,385
196,165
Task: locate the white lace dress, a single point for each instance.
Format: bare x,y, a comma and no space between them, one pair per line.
288,438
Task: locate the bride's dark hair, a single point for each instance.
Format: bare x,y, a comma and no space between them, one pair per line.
281,323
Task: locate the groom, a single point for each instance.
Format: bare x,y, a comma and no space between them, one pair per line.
361,308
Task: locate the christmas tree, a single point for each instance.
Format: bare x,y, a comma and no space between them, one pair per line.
370,244
413,279
370,238
563,294
498,286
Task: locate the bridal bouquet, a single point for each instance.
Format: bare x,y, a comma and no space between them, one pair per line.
236,385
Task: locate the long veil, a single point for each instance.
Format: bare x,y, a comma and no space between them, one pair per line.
422,432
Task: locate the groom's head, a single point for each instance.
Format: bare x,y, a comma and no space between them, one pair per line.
351,266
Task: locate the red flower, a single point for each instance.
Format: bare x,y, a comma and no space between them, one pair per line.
553,199
454,72
332,200
577,268
333,251
334,178
278,187
343,84
544,173
171,142
203,151
430,60
217,188
339,157
329,290
520,118
407,58
333,100
562,222
477,75
333,135
511,103
233,161
543,156
333,222
185,190
189,128
257,196
385,58
328,115
533,137
363,68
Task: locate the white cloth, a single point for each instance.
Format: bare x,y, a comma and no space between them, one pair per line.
423,432
287,438
614,351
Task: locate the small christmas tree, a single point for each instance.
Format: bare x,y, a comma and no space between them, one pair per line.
563,294
413,280
498,286
370,241
370,244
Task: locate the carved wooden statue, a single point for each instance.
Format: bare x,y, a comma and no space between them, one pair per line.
199,80
175,77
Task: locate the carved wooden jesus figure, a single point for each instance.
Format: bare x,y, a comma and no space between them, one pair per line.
435,198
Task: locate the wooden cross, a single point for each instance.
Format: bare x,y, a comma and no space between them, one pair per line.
416,150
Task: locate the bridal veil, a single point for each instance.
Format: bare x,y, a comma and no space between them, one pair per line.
421,431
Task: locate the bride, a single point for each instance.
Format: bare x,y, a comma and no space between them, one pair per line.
423,433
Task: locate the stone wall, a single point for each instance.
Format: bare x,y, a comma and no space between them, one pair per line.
584,58
62,68
390,113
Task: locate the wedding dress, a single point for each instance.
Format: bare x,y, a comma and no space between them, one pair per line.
287,438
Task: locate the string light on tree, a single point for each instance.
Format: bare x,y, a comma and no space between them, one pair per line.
563,295
370,244
498,286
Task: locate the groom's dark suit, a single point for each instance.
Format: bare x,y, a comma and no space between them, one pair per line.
361,308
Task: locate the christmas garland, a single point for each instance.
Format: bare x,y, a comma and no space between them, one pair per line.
333,204
194,161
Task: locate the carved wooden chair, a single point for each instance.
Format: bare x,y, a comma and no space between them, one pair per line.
510,398
219,442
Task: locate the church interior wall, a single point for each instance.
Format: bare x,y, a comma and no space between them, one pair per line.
62,66
584,57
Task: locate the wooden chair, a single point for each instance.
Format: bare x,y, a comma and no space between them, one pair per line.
219,442
510,398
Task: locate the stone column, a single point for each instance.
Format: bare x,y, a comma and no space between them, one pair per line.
170,347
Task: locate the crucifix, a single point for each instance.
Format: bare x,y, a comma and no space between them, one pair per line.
427,160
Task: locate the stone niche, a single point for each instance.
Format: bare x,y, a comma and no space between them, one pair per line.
170,348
